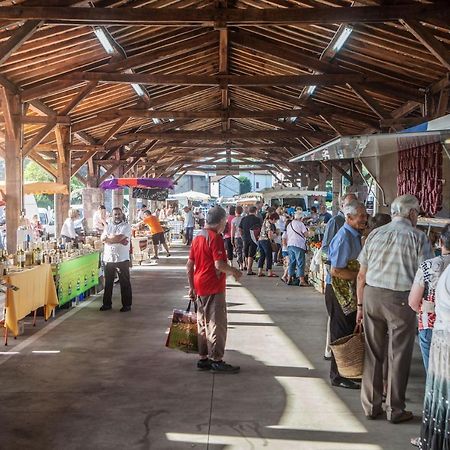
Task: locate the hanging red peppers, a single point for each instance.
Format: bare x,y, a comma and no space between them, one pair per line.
420,174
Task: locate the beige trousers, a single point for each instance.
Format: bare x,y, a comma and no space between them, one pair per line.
212,326
389,324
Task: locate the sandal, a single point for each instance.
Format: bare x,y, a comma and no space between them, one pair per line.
261,275
251,273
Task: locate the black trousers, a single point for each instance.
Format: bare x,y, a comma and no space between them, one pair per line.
340,325
229,248
123,269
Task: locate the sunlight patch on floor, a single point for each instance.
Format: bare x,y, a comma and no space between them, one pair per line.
243,443
312,405
267,344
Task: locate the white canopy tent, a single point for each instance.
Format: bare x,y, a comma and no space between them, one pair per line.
191,196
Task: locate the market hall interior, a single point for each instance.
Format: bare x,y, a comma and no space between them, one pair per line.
92,380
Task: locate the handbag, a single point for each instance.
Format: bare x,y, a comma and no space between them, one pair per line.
274,246
183,334
302,236
348,352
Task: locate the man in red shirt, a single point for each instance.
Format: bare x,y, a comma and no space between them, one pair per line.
206,269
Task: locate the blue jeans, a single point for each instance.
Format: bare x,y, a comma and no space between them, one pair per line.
296,261
425,344
265,250
189,234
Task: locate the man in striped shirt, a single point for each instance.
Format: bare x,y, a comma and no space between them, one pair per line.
389,261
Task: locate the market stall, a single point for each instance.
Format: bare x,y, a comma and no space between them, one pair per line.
75,276
36,289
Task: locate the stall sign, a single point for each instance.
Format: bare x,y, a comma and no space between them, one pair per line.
151,194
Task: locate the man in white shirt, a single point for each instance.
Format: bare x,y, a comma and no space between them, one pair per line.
116,256
189,224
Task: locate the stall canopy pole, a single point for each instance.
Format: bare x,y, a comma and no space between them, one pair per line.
62,201
13,165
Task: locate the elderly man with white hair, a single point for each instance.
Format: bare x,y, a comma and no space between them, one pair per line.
296,234
340,293
389,260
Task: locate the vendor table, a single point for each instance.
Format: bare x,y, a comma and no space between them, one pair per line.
77,275
36,289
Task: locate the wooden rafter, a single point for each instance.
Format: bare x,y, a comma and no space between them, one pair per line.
208,17
18,38
427,38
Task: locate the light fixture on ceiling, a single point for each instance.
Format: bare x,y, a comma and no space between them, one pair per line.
104,40
342,38
311,90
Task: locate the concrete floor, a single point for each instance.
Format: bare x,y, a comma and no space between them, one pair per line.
113,384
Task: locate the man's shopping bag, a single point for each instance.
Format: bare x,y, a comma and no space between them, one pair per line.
183,330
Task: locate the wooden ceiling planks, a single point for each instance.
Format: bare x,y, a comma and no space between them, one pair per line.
287,43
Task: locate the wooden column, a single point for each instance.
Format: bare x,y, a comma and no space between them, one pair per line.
117,194
92,180
322,178
62,201
337,189
13,166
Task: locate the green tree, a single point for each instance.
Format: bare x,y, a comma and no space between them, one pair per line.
34,173
245,185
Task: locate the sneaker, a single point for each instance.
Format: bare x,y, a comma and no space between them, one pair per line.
223,367
105,307
125,308
155,257
204,364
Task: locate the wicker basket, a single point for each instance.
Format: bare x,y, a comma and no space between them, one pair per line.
348,352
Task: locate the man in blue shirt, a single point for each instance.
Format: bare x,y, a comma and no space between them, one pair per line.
344,249
333,226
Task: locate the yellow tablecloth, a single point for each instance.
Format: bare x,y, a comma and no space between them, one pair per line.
36,289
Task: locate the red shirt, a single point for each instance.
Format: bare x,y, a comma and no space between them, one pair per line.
204,252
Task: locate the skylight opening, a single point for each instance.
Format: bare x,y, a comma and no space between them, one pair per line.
104,40
139,91
340,41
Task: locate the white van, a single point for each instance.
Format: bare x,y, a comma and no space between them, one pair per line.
47,220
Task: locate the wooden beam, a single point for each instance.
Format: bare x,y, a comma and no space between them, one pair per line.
232,113
402,122
39,137
442,103
79,97
405,109
369,101
214,135
12,122
18,38
208,17
44,163
444,82
328,79
427,39
62,135
13,170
